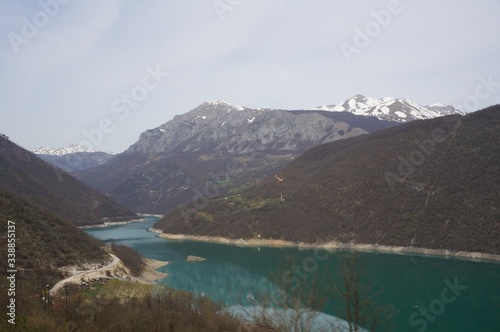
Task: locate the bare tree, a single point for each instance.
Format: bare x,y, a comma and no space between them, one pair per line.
361,310
297,307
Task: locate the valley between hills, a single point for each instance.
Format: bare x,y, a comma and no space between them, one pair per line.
382,175
249,166
383,172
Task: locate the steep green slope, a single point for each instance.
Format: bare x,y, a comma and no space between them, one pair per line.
432,183
26,175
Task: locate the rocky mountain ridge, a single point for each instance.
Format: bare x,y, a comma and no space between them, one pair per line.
72,157
72,148
234,129
170,163
392,109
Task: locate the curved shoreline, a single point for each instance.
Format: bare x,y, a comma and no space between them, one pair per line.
472,256
150,215
114,223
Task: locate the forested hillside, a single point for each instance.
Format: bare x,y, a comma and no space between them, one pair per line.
23,173
431,183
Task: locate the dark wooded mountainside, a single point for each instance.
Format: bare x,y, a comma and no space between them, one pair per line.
44,240
23,173
431,183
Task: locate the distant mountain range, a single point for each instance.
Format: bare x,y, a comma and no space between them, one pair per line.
170,164
73,157
431,184
349,173
216,142
70,149
391,109
45,187
225,128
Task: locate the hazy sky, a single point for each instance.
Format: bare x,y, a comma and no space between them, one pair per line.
71,67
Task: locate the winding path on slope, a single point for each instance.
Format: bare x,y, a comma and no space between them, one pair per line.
76,277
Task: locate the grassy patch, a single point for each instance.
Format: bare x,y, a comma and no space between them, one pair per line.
240,202
205,216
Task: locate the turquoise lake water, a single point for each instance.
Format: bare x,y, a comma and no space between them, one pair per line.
430,293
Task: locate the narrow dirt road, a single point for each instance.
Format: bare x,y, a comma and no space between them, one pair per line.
75,279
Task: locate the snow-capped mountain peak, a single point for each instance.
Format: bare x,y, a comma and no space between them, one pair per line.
73,157
390,108
73,148
217,103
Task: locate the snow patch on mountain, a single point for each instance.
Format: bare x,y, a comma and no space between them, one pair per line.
224,103
73,148
73,157
390,108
